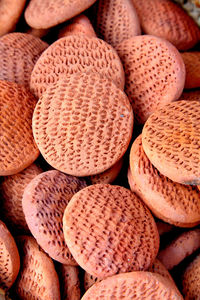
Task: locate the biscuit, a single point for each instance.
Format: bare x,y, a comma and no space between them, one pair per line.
190,95
192,65
69,282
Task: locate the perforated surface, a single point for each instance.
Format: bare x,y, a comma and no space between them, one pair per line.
74,54
44,201
89,280
171,140
160,269
151,65
9,258
166,19
45,14
37,278
70,283
172,202
134,285
83,124
17,147
113,232
183,246
18,54
11,192
192,64
117,20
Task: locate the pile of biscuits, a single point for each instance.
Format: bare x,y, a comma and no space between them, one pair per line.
99,150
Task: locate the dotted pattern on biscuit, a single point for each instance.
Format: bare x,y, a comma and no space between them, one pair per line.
74,54
44,201
172,202
18,54
83,124
171,141
166,19
151,65
192,64
117,20
37,278
160,269
17,147
133,285
108,230
11,192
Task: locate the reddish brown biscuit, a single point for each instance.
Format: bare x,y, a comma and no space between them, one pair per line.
166,19
17,147
191,95
151,65
69,282
9,258
89,280
18,54
78,25
116,21
113,231
37,278
192,65
170,201
134,285
184,245
74,54
83,124
47,13
44,201
10,12
109,175
11,192
171,140
191,279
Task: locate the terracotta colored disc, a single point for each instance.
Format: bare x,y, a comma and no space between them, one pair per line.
113,232
11,192
83,124
116,21
18,54
78,25
192,64
183,246
10,12
151,65
191,278
9,258
44,201
166,19
191,95
171,202
171,140
17,147
73,54
37,278
48,13
134,285
69,282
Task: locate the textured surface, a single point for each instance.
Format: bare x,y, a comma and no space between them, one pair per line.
191,95
18,55
10,11
166,19
48,13
172,202
184,245
37,278
171,140
11,192
109,175
78,25
192,65
191,280
69,282
17,147
44,201
83,124
134,285
9,258
113,232
73,54
116,21
151,65
89,280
